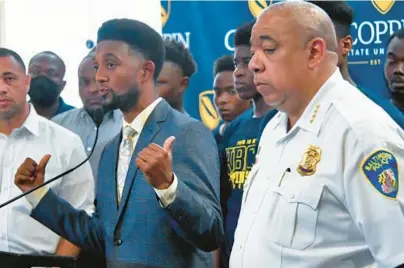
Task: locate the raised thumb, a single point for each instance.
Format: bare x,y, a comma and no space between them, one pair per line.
44,161
168,144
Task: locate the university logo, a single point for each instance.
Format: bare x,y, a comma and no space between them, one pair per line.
256,6
165,10
383,6
369,36
207,110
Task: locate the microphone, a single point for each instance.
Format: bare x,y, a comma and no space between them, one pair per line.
98,116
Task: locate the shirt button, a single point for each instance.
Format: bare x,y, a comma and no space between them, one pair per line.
89,149
95,128
292,195
241,246
118,242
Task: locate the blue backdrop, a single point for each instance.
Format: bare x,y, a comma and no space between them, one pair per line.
207,28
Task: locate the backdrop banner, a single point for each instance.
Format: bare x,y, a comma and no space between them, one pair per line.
207,28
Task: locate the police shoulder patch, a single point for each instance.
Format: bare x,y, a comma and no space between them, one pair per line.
381,170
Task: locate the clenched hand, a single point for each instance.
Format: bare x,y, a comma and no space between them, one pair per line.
30,174
156,163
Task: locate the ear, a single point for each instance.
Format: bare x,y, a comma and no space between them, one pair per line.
27,83
317,51
346,44
184,83
148,71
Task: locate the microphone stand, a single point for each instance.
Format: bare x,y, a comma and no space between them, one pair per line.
59,176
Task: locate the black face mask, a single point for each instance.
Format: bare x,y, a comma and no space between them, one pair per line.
43,91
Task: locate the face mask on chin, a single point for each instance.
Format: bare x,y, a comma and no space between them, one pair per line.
43,91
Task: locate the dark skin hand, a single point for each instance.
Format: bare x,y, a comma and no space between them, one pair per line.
156,163
30,174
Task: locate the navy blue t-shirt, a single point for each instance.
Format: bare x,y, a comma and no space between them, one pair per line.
63,107
239,146
217,136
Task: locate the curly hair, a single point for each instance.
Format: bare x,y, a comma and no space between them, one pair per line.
177,53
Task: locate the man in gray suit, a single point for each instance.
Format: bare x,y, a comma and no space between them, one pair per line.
157,202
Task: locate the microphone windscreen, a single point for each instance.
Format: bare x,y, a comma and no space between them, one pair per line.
98,116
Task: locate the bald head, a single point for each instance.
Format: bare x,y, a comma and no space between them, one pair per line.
52,59
308,20
294,52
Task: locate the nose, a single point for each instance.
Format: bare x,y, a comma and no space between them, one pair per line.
100,77
399,70
3,87
255,64
94,88
238,71
223,99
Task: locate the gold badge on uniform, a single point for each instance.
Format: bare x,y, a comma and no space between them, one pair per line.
311,157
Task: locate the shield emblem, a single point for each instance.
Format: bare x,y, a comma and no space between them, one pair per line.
381,170
207,110
256,6
383,6
165,12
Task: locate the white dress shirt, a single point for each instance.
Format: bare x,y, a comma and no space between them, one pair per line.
335,204
38,136
166,196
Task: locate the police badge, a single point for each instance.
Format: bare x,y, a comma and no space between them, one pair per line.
311,157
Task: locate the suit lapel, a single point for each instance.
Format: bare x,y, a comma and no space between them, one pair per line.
146,137
114,154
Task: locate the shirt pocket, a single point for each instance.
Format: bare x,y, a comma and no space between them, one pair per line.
293,218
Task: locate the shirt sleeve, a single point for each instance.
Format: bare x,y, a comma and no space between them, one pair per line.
167,196
372,195
35,197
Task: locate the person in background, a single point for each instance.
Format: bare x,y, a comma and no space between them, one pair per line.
341,14
227,102
23,133
239,142
80,121
178,68
394,69
328,172
47,71
157,202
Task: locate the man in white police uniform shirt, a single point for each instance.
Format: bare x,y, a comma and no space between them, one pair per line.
324,191
23,133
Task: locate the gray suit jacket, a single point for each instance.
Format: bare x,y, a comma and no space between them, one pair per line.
140,233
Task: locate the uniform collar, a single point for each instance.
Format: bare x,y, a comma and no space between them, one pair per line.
314,114
140,120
